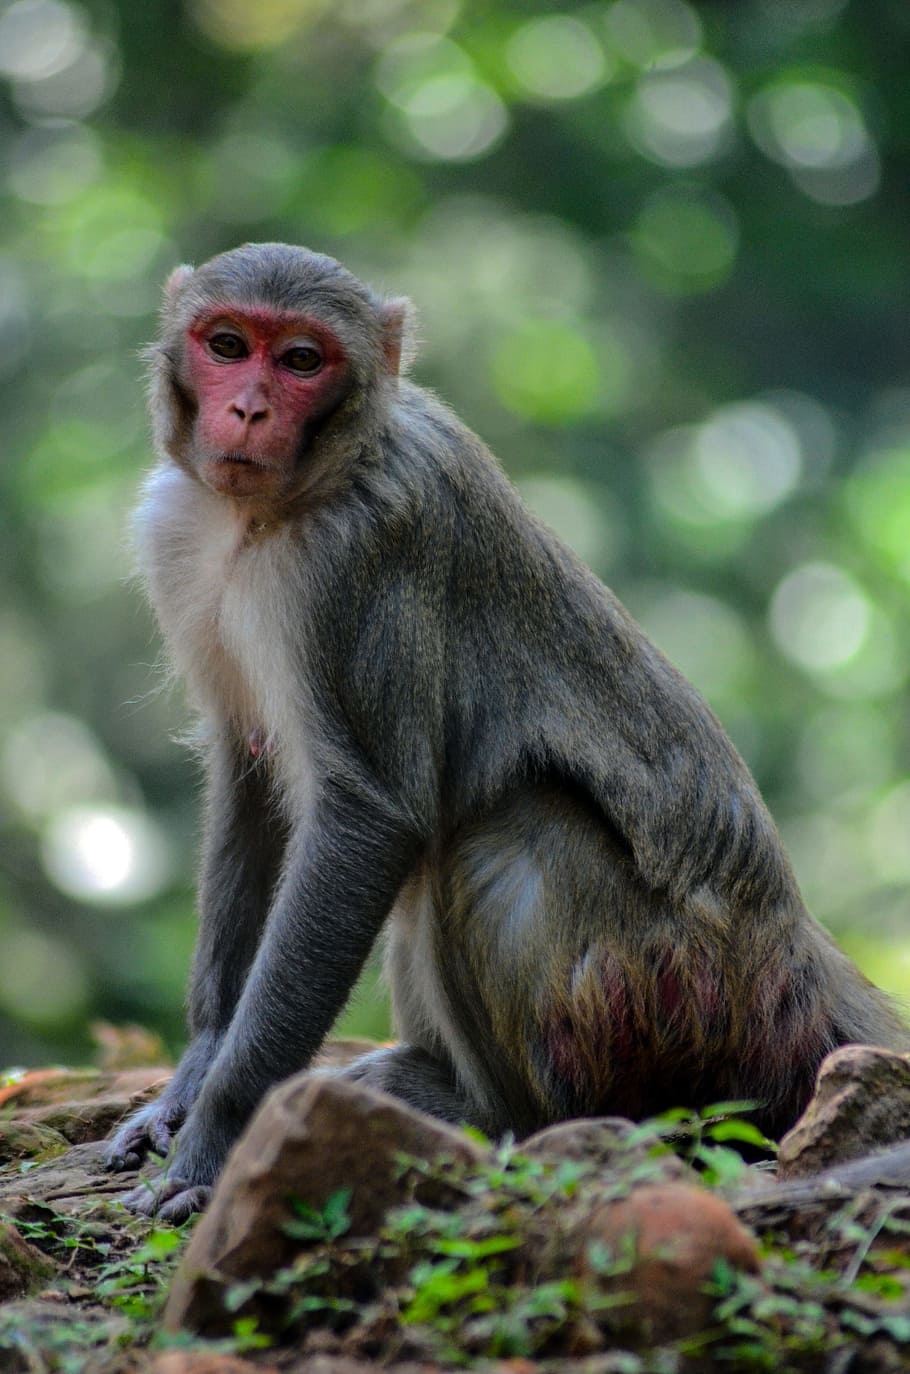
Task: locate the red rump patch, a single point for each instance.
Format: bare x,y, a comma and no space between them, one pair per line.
619,1030
670,1001
563,1057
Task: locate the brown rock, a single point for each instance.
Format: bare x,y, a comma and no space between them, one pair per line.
127,1046
670,1235
605,1142
589,1137
73,1183
861,1104
28,1140
22,1266
312,1137
202,1362
102,1102
48,1085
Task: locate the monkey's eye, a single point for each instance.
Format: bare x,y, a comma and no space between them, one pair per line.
303,359
225,345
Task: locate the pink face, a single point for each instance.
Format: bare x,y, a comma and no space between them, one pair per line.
262,378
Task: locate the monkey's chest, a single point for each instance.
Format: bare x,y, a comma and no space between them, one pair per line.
228,627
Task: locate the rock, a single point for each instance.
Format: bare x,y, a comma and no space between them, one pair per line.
126,1046
74,1183
312,1137
606,1142
22,1266
29,1140
48,1085
589,1137
666,1239
106,1100
203,1362
861,1104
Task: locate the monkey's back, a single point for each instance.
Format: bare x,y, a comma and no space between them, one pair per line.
688,920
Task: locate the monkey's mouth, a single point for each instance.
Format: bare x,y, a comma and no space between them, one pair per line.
239,474
244,459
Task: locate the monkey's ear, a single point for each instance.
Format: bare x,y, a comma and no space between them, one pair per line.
398,318
176,282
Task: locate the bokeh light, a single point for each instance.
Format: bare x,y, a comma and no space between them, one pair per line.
580,514
740,463
816,130
53,163
652,33
248,28
557,57
39,38
51,761
819,617
682,117
445,110
106,855
546,370
686,238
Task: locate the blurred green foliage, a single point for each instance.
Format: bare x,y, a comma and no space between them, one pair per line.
659,251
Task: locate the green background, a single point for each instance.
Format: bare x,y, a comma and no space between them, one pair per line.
659,251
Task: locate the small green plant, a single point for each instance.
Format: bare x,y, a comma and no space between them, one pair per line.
703,1138
311,1224
136,1283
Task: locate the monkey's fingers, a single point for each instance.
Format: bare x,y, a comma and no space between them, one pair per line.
183,1205
127,1150
172,1199
151,1131
160,1132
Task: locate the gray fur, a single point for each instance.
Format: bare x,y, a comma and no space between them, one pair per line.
471,743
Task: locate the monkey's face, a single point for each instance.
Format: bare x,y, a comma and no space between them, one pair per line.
263,381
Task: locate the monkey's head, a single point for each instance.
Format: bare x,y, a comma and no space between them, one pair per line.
268,355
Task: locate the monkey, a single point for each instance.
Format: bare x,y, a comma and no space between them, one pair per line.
420,714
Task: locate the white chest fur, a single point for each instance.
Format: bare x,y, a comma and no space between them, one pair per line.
223,597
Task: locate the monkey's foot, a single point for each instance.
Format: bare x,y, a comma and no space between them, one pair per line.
168,1198
150,1131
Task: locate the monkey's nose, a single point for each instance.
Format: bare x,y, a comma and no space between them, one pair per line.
249,414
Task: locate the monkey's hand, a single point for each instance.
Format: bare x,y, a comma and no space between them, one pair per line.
185,1183
151,1130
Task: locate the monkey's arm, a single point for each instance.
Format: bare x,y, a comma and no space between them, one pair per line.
345,865
241,860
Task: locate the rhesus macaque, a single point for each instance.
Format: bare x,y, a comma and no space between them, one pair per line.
420,711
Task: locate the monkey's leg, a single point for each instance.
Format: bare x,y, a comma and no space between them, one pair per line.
418,1078
241,861
344,866
559,983
562,984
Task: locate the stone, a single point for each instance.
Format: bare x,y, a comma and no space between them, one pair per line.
204,1362
665,1240
22,1266
313,1136
126,1046
605,1142
29,1140
861,1104
73,1183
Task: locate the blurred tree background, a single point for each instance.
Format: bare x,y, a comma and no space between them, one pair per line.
660,253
